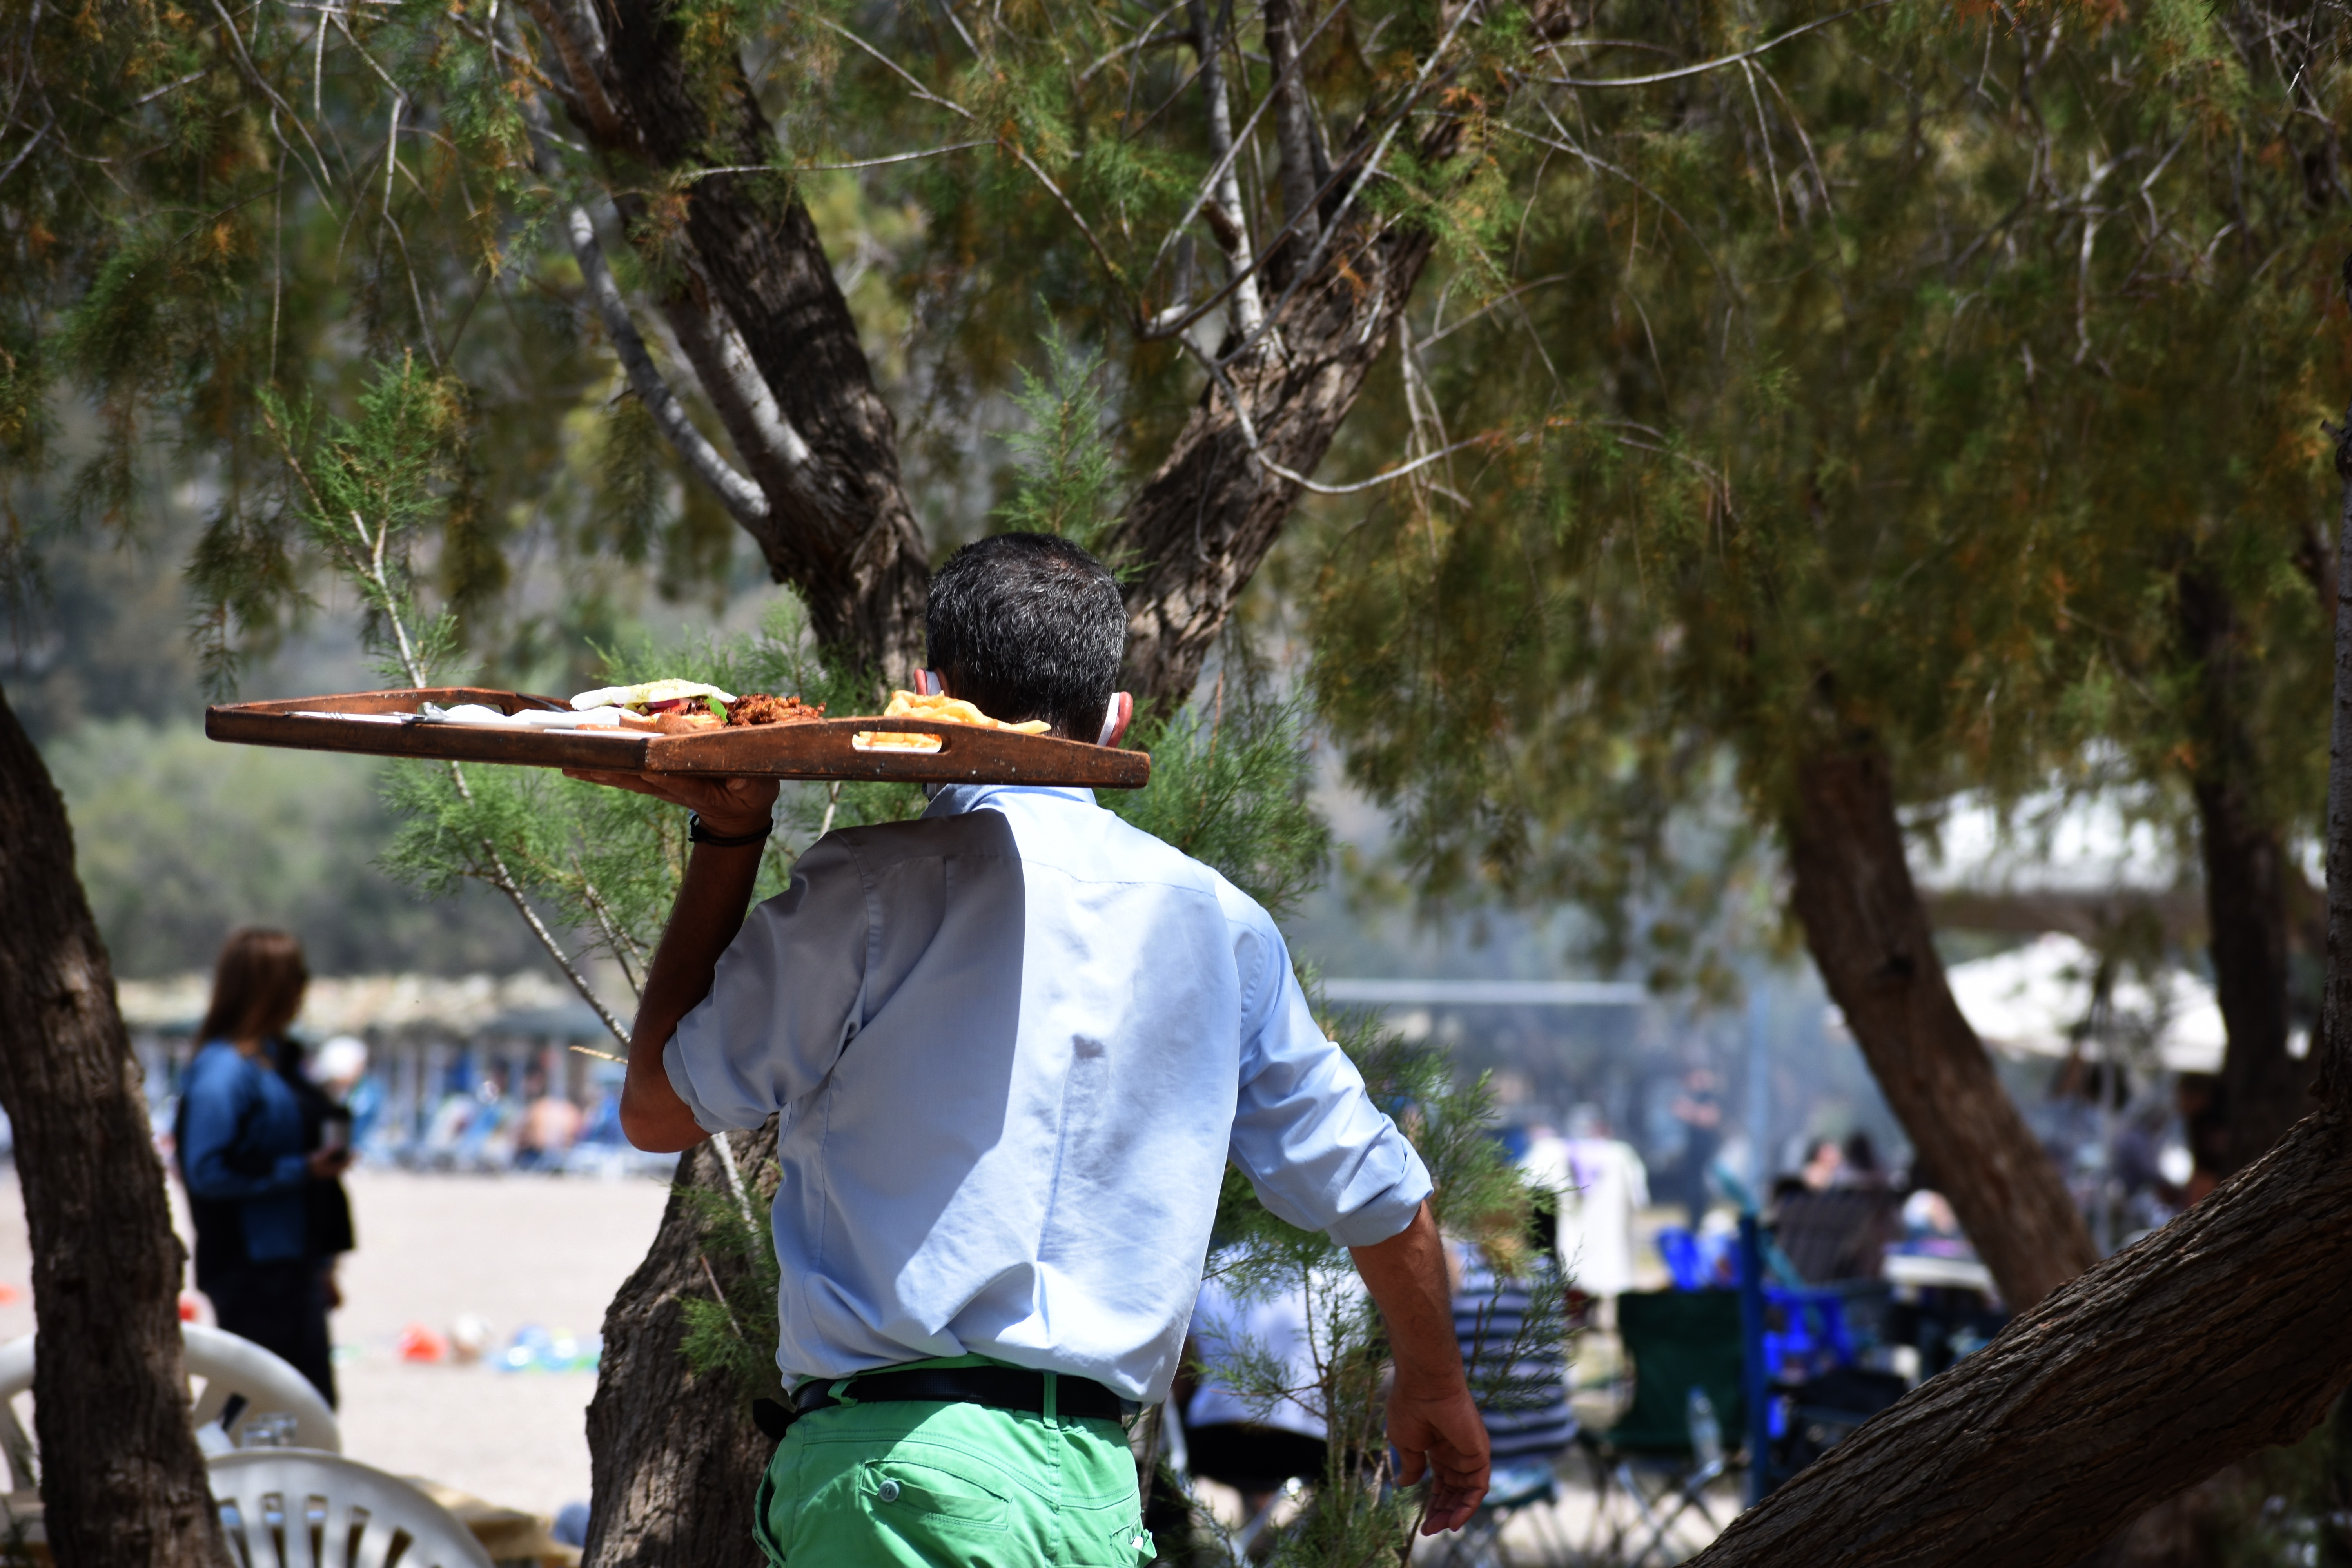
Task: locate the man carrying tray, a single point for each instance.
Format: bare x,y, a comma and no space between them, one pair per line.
1014,1043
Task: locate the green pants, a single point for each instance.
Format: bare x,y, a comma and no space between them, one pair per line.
950,1486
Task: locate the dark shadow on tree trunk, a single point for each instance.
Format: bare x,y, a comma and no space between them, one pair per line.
675,1458
1869,934
2263,1089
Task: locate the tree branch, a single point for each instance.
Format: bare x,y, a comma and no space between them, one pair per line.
757,313
1706,66
1233,235
741,498
1293,124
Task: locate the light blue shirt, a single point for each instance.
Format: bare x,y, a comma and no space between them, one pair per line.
1014,1044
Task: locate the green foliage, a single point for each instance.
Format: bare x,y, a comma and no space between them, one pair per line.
1481,1201
1070,476
364,491
1229,787
730,1332
1888,391
286,205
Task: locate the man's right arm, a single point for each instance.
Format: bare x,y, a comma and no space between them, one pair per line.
708,912
1323,1156
711,899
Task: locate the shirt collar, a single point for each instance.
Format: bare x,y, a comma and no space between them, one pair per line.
954,799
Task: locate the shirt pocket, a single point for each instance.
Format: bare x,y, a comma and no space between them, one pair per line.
915,1498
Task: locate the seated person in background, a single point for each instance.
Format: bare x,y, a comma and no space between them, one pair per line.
1832,1231
1514,1349
551,1125
1246,1441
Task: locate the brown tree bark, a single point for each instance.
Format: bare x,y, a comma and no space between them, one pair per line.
1869,935
123,1483
838,525
1203,522
2263,1089
674,1458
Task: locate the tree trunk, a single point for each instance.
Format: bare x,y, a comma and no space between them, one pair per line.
675,1460
2263,1090
1202,523
1870,937
122,1480
2221,1333
804,413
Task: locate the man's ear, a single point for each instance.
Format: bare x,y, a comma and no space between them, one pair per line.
928,683
1115,718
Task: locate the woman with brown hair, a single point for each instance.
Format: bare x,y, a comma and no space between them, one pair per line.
240,1137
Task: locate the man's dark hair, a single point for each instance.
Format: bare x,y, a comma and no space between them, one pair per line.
1026,626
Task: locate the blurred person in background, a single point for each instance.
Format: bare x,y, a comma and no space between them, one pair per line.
239,1140
1603,1186
340,1067
1858,1164
1834,1219
551,1125
2205,1128
1514,1331
1698,1108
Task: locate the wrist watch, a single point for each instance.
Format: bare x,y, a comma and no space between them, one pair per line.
699,832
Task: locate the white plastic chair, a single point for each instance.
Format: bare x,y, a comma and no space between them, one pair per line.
293,1508
226,1362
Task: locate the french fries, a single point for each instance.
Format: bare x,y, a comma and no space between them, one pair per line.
938,707
942,709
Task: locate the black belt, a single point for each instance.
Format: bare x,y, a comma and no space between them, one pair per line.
998,1387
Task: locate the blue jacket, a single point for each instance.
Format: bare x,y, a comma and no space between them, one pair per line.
241,1152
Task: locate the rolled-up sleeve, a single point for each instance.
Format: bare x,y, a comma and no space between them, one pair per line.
1319,1153
786,997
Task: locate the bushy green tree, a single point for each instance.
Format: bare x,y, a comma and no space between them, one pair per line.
1924,405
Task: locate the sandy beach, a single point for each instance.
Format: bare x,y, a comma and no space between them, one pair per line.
513,1250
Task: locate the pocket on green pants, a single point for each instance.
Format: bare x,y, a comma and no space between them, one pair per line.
899,1488
1105,1531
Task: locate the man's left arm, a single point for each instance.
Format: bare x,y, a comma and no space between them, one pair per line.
1433,1424
1321,1155
709,912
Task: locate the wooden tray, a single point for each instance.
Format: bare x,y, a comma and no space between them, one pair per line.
819,750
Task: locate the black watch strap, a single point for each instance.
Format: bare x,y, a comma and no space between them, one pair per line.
700,834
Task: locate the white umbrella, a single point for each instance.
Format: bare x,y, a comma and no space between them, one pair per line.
2030,1001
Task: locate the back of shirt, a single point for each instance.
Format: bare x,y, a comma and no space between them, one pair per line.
1013,1045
